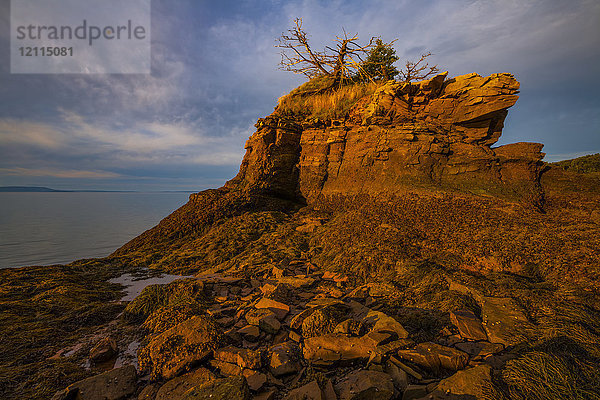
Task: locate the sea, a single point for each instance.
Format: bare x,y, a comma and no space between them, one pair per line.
46,228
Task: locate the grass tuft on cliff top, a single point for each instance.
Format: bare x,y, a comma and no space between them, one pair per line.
320,98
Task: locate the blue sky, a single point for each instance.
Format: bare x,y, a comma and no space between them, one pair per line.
215,72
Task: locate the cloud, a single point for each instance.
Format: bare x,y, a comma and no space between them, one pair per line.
97,146
59,173
20,132
214,72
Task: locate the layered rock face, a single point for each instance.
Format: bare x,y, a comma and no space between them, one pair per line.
439,131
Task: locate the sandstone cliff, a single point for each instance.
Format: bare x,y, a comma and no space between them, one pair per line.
439,131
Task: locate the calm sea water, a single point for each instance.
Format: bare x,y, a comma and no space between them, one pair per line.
57,228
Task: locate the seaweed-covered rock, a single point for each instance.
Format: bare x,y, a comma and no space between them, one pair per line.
178,348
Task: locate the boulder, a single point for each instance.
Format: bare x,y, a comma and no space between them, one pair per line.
348,327
177,349
399,377
366,385
225,368
249,332
414,392
284,358
149,392
297,281
255,379
106,349
323,320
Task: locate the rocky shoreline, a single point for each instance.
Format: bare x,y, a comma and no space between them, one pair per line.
301,333
388,254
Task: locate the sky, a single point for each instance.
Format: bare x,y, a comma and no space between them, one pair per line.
214,72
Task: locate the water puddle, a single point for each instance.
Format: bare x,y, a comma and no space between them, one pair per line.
129,356
134,284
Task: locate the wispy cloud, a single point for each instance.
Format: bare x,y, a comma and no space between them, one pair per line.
59,173
214,72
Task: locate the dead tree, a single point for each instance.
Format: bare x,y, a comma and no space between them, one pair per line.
419,70
339,62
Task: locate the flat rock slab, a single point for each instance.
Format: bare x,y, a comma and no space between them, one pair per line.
176,387
278,308
469,326
504,320
434,356
469,382
366,385
480,349
231,388
116,384
335,348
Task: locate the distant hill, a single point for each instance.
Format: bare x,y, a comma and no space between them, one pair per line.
583,165
29,189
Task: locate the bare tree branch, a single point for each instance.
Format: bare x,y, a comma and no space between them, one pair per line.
418,70
336,61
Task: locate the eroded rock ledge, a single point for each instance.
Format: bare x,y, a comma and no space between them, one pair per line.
439,131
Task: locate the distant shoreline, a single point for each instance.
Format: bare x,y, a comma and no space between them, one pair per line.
42,189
